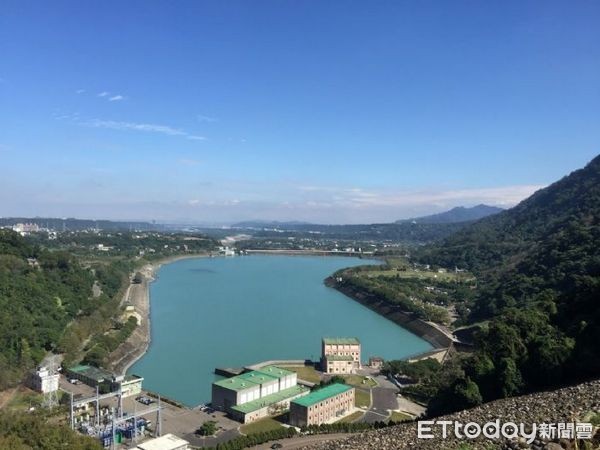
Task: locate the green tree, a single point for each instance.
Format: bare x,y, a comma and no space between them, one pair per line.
208,428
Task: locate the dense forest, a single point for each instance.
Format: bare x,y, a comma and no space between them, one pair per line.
538,269
40,293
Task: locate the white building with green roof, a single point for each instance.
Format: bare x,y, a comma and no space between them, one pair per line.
255,394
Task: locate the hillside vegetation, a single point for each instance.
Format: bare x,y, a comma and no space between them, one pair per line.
38,298
31,432
538,269
63,295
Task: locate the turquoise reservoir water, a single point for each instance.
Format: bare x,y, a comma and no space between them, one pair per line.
231,312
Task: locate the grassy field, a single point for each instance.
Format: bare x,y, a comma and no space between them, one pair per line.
25,398
400,416
352,417
362,399
261,425
359,381
307,373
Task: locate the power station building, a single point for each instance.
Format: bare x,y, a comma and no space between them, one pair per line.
340,355
256,394
43,380
106,381
322,405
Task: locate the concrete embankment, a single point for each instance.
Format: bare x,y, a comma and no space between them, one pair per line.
424,330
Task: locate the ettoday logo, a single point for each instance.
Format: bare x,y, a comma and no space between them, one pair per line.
430,429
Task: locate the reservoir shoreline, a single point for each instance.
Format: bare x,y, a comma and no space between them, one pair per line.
138,344
138,295
425,330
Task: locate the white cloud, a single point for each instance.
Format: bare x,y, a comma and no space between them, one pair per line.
390,204
202,118
116,98
80,91
145,127
104,94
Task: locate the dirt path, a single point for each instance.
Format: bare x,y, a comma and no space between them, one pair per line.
138,296
7,396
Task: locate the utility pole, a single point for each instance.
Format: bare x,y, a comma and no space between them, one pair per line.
71,414
114,431
120,401
97,406
135,422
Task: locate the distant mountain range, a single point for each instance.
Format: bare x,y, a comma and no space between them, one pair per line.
417,230
268,224
456,215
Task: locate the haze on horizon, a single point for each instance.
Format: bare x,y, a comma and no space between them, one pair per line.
325,112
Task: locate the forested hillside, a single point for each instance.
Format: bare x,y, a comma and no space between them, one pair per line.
27,431
40,293
538,266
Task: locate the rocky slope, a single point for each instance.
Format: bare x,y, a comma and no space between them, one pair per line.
571,404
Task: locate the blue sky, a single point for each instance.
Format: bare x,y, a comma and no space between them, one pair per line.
332,112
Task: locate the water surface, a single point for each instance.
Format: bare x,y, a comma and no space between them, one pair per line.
231,312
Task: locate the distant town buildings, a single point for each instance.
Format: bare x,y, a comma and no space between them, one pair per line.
340,355
322,405
25,228
227,251
256,394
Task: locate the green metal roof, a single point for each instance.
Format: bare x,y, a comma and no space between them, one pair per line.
322,394
91,372
275,371
236,383
268,400
339,357
342,341
253,378
256,377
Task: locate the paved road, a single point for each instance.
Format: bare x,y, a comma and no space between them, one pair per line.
383,398
302,441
